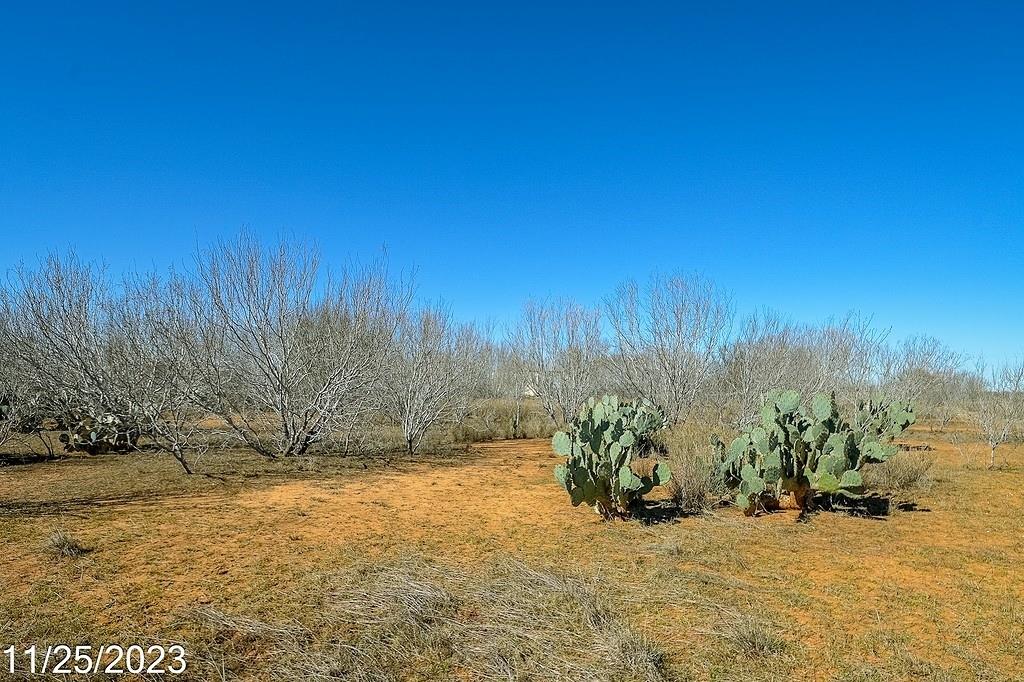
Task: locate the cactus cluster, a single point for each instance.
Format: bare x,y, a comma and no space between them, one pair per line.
804,450
99,434
601,446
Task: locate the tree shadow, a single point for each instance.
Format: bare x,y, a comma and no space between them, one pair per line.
80,507
27,458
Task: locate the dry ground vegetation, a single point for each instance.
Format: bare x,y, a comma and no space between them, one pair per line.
470,565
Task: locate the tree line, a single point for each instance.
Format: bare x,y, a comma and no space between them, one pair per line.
267,347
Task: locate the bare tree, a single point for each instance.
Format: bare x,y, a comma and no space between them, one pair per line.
431,372
842,357
846,356
914,367
667,340
54,327
999,407
950,396
763,357
12,394
563,354
510,380
150,368
292,358
9,417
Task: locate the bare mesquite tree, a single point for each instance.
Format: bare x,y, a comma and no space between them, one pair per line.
841,357
916,366
667,337
148,332
13,397
510,380
53,325
563,354
764,356
845,355
952,396
431,372
292,358
999,406
10,419
85,351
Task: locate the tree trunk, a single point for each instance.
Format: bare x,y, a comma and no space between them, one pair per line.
180,456
516,419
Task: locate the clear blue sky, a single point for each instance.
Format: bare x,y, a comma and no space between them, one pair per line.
809,157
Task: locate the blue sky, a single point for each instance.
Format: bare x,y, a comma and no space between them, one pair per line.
808,157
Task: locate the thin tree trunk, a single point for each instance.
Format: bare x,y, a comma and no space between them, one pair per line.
180,456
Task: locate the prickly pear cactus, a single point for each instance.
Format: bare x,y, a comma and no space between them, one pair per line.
805,450
100,434
600,445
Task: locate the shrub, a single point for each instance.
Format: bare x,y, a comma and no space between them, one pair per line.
695,485
600,446
903,473
501,418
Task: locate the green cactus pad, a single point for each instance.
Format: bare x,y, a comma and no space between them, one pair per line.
788,402
562,476
877,452
738,446
772,467
825,482
562,443
662,473
628,480
821,407
851,480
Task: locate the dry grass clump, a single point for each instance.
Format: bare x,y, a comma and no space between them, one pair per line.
62,545
413,619
902,474
695,486
747,634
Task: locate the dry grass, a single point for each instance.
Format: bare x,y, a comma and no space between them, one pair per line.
748,635
902,476
508,622
63,545
695,486
490,420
